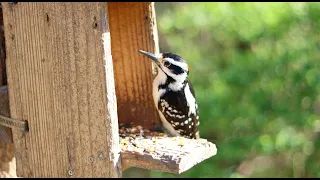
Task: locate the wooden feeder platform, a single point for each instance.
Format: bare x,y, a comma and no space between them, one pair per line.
154,150
167,154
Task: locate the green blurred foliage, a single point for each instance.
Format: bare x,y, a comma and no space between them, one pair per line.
255,71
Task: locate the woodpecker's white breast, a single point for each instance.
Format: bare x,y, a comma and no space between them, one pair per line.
157,93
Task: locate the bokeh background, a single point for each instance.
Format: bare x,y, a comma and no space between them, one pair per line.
255,71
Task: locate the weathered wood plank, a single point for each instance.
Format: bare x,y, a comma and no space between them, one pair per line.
169,154
60,78
133,27
7,160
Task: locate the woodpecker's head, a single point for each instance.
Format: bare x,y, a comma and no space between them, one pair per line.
171,64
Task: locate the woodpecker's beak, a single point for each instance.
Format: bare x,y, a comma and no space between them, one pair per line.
151,56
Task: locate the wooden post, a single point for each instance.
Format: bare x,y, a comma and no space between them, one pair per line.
60,79
7,160
133,27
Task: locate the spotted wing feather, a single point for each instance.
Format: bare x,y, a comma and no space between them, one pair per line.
174,108
195,117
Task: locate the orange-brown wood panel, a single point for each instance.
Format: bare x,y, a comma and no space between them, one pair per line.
133,27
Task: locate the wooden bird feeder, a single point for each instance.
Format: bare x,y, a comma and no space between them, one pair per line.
74,75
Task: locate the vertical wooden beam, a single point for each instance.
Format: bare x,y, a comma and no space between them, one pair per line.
60,77
133,27
7,160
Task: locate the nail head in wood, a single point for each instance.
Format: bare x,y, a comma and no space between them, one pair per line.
70,173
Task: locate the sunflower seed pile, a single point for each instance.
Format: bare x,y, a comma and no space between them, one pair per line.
132,130
136,139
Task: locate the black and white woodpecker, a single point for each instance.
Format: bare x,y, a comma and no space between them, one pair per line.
174,96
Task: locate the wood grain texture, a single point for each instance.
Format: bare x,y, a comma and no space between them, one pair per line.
172,154
60,78
133,27
7,160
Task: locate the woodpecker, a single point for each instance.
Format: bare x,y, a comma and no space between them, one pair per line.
174,96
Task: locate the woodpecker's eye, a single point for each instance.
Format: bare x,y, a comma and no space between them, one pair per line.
166,63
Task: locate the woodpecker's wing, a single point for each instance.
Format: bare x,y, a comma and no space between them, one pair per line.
195,118
174,107
191,88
